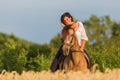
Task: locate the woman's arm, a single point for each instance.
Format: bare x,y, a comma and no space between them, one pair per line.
83,42
84,37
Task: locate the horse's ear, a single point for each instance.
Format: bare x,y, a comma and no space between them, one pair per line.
63,33
62,25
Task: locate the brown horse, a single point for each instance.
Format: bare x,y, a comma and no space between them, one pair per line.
75,59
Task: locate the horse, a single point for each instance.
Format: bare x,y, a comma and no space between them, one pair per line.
75,59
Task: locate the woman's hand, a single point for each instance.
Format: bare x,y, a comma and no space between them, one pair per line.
83,45
81,49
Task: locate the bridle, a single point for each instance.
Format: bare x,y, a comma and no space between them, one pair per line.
69,42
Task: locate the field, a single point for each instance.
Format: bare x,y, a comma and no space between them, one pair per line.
59,75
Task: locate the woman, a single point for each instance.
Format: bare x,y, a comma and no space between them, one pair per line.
67,20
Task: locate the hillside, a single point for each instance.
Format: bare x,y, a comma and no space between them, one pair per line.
19,54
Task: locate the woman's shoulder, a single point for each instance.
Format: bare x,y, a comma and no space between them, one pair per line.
80,23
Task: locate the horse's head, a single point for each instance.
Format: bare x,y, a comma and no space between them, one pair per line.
68,37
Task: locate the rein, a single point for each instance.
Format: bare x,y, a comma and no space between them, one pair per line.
76,51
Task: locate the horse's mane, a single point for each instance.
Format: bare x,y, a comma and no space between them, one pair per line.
65,31
66,28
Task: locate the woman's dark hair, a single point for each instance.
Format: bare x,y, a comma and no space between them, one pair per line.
66,14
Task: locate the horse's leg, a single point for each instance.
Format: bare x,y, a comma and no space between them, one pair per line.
68,64
75,58
81,63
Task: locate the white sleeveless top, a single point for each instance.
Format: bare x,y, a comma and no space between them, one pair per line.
81,34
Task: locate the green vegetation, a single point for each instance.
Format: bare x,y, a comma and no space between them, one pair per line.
103,47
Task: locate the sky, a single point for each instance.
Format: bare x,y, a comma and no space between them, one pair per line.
39,20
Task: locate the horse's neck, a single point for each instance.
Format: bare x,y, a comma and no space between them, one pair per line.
75,53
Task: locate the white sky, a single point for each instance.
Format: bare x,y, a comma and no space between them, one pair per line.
39,20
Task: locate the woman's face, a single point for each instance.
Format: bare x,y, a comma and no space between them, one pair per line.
67,20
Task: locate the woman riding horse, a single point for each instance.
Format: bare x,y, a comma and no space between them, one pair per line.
74,57
67,20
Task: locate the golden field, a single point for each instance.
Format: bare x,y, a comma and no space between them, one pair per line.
59,75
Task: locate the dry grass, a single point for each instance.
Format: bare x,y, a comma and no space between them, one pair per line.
59,75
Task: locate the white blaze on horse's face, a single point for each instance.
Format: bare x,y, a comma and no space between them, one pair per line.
69,36
68,42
